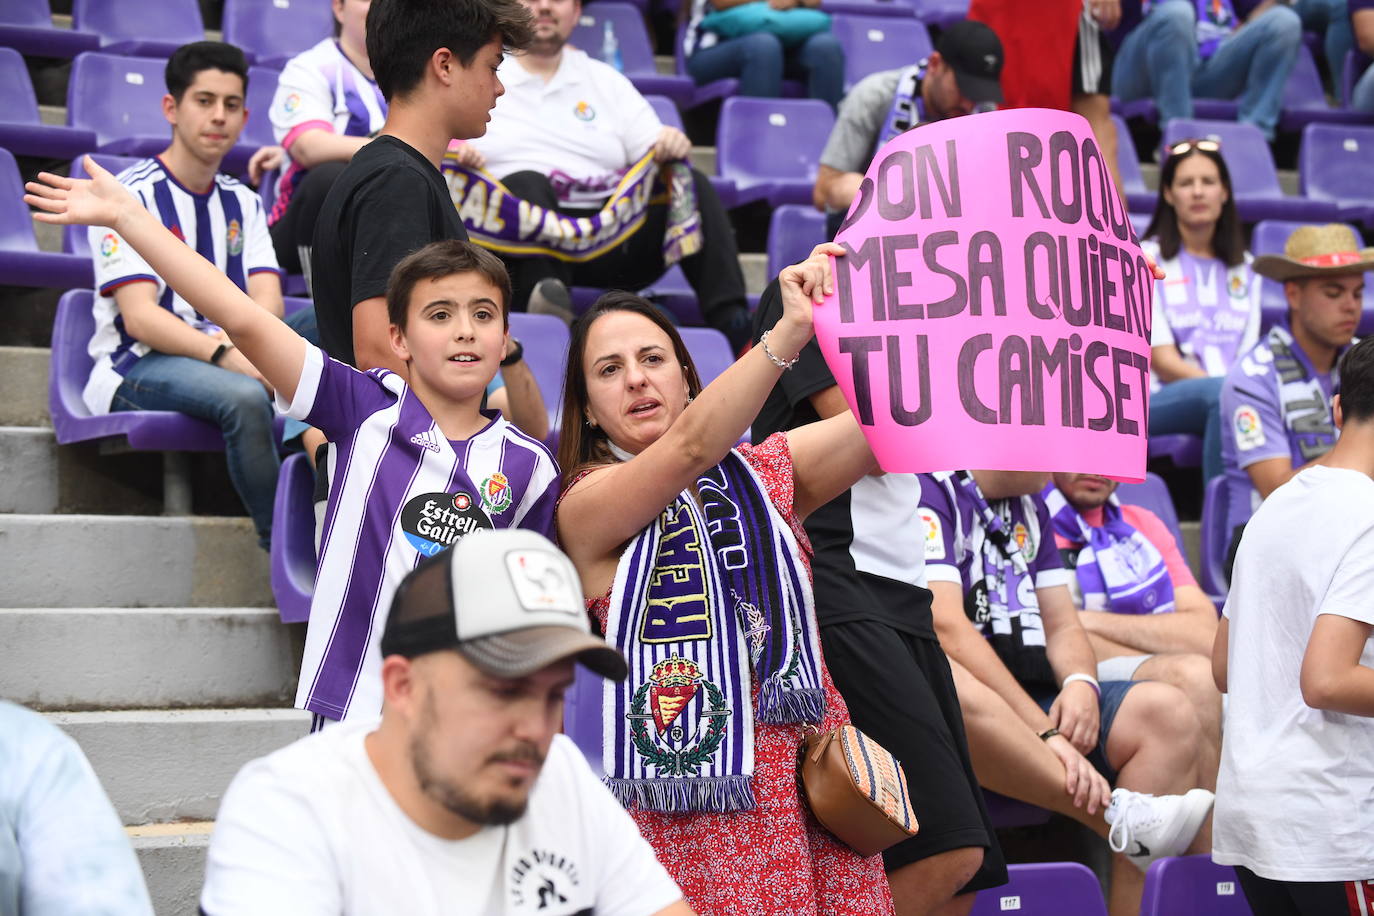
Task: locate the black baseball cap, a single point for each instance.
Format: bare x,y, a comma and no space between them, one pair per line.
974,52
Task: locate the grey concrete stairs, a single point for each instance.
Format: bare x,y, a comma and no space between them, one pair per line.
151,640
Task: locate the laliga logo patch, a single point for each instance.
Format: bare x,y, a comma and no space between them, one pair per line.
935,535
1249,429
233,238
584,112
109,245
434,521
293,101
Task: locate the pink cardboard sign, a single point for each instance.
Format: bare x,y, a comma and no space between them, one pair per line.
993,307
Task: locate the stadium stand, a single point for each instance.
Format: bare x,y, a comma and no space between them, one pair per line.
293,539
1216,538
1139,199
27,27
770,147
21,129
74,238
1060,888
940,12
793,230
626,24
1192,886
22,263
872,43
1355,64
1305,102
1336,165
262,85
140,28
270,32
1153,494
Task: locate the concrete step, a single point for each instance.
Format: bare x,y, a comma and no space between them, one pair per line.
24,380
81,561
173,765
172,857
29,456
755,267
167,657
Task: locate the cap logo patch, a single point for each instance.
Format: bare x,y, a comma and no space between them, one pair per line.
433,521
541,582
990,60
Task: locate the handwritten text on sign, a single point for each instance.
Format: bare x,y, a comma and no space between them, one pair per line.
993,307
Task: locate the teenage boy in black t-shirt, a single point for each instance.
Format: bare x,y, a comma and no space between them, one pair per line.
435,62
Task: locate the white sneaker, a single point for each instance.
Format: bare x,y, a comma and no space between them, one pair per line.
1148,827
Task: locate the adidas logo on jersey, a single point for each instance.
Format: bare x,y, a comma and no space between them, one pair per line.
426,440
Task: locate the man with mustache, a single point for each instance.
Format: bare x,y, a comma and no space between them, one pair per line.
464,798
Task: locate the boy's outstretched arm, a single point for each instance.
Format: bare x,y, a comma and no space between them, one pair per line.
275,349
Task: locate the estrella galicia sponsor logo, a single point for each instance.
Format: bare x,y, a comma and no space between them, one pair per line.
434,521
542,881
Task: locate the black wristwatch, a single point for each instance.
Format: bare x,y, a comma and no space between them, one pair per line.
515,355
219,353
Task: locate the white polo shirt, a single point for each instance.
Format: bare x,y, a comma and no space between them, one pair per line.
582,128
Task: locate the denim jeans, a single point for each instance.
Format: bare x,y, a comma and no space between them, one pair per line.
1331,20
1191,405
1160,58
759,61
1362,97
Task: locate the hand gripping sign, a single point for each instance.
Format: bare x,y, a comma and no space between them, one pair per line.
993,307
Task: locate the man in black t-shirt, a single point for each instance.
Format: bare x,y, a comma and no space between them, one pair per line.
435,62
879,643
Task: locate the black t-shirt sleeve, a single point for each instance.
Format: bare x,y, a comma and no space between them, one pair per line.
391,219
810,374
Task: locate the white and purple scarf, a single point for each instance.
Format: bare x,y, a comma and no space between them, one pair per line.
1118,569
1305,404
713,590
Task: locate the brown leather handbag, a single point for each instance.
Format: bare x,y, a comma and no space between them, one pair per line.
856,789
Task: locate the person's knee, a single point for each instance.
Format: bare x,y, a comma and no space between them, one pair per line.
761,47
949,870
1162,713
1281,27
1175,20
245,405
824,48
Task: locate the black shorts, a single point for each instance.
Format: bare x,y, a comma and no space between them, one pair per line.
1092,57
1268,897
900,692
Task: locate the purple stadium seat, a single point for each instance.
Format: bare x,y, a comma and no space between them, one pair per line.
545,340
262,85
1336,165
940,12
1216,538
1304,99
27,26
710,351
1141,222
1044,889
897,9
120,99
1006,813
873,43
1153,494
1355,65
771,148
1139,198
1183,449
1253,174
145,430
1192,886
636,52
793,230
142,28
670,116
22,132
74,237
582,716
293,539
274,31
22,263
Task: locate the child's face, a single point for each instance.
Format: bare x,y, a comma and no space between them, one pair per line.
455,336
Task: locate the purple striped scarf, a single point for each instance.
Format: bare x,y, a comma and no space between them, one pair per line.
1118,569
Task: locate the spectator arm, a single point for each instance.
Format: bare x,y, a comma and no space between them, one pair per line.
372,338
1190,627
1066,642
834,189
1363,23
1271,473
1220,646
1171,365
264,288
828,457
151,324
317,146
521,401
1332,677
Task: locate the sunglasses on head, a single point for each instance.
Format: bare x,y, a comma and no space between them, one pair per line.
1187,146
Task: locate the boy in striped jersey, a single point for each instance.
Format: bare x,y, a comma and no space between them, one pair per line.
151,349
418,465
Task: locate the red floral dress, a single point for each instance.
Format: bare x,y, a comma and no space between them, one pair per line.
775,860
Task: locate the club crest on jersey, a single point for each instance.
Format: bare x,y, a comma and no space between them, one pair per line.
680,743
584,112
1022,536
434,521
1237,286
233,238
496,493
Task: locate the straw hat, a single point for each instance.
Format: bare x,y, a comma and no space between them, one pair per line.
1317,251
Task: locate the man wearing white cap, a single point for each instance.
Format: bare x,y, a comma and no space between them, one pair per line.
464,799
1276,400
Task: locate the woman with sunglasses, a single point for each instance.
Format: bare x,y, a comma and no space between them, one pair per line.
1206,310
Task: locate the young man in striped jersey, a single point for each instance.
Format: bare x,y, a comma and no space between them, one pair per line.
151,349
417,464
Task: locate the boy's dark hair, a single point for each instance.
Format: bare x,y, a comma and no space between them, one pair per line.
1227,239
189,60
1357,382
402,35
443,259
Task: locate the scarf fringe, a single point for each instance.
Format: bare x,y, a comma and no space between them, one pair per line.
779,705
711,795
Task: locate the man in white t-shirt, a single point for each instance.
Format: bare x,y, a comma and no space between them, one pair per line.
464,799
562,137
1295,795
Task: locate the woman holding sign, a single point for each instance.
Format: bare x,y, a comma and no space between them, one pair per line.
695,564
1206,310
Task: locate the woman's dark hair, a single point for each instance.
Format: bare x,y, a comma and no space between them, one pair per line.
402,35
581,445
1227,240
189,60
443,259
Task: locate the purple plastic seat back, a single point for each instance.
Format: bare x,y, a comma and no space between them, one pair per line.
874,43
1354,66
1304,91
273,31
772,146
32,13
1215,537
151,28
21,105
940,12
120,98
1044,889
627,23
545,340
22,263
1006,813
1153,494
582,716
293,539
793,230
1336,163
74,238
262,86
27,26
21,129
1192,886
710,352
16,223
665,109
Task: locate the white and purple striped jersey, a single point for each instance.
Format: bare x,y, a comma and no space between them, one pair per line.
225,224
321,88
400,491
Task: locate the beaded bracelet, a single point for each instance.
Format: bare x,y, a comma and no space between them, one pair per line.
783,364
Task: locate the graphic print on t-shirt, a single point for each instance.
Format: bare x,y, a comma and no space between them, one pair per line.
434,521
540,882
